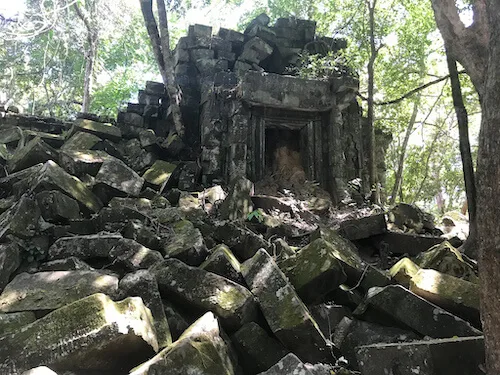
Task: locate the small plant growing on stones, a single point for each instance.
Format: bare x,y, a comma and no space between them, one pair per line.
257,215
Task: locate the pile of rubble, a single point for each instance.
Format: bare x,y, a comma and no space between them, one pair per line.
112,262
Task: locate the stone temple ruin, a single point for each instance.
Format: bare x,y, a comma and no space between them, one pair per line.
247,116
124,251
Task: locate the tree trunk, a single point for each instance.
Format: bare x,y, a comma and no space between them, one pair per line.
468,168
399,174
372,164
160,40
168,62
488,194
90,53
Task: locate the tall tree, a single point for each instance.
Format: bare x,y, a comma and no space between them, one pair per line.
87,12
370,117
477,48
159,36
465,152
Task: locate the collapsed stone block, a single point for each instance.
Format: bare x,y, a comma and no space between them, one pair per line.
203,290
133,256
143,284
458,356
57,207
257,350
22,220
186,243
36,151
365,227
83,162
159,173
352,333
102,130
81,141
404,307
202,349
289,364
104,335
238,204
15,321
328,317
116,178
314,271
287,316
53,177
10,260
52,290
451,293
84,247
243,242
223,262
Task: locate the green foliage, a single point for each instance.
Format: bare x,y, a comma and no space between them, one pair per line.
257,215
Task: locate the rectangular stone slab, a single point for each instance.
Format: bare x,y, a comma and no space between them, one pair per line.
93,333
279,91
104,131
287,316
400,305
52,290
51,176
457,356
203,290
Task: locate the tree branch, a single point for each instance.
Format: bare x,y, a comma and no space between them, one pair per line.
411,92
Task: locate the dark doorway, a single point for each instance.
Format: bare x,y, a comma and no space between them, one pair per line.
283,156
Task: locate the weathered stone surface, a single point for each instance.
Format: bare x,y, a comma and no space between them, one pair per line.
409,217
81,141
104,131
66,264
51,290
328,317
143,284
288,318
365,227
23,220
243,242
451,293
404,307
10,260
116,175
223,262
186,244
458,356
36,151
133,256
255,50
446,259
159,173
238,203
403,271
84,247
203,290
314,271
285,91
176,322
104,335
15,321
358,272
256,349
404,243
52,176
143,234
57,207
289,364
147,138
82,162
200,350
351,333
130,118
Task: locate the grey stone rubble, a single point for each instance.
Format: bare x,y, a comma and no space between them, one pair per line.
127,250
